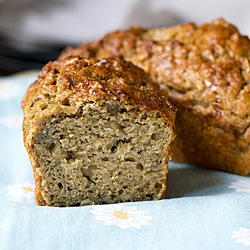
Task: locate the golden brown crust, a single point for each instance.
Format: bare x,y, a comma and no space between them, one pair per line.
206,71
208,145
84,80
113,44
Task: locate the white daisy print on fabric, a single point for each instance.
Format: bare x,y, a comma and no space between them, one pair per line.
242,236
121,216
241,186
20,191
12,121
9,90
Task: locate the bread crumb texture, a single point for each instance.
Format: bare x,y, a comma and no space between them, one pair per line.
97,131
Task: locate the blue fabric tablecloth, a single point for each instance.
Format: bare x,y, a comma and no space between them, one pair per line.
203,209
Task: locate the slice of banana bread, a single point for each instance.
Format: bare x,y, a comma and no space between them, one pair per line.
206,71
97,131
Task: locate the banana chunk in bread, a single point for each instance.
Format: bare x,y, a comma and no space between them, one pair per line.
97,131
206,72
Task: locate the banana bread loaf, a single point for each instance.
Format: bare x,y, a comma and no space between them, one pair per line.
97,131
206,71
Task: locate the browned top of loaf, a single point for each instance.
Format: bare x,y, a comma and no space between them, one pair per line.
70,82
205,68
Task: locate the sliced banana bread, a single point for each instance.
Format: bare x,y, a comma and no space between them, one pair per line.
97,131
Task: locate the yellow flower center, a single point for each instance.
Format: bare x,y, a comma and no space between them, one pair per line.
1,85
28,189
121,215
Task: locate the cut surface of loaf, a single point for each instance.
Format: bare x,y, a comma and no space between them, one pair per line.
97,131
206,72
